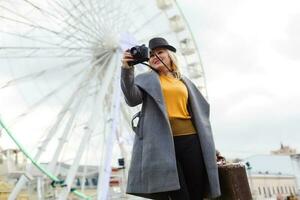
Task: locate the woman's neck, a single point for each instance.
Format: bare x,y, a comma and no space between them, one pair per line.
166,74
164,71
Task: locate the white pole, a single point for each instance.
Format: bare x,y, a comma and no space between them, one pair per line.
40,188
23,180
92,123
103,186
64,136
81,98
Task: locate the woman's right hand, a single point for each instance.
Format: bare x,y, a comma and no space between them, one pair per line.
126,58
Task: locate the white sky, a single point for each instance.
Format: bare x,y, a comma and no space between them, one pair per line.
251,55
250,51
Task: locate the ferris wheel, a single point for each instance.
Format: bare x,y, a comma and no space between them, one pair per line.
60,81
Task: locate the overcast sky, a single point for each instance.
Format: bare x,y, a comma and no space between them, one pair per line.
250,50
251,55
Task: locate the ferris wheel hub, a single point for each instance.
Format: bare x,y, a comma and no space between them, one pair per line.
110,41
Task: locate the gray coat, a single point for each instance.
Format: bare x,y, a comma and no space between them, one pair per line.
153,163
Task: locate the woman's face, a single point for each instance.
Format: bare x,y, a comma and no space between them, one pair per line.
163,55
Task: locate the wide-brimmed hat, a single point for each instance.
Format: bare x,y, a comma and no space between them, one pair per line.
159,42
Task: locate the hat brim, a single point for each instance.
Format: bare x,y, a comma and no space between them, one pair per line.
169,47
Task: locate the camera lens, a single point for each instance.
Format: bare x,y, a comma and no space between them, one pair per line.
134,51
140,54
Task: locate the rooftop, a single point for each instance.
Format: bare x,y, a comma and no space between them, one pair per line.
270,164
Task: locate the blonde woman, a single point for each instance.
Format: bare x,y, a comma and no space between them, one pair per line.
173,155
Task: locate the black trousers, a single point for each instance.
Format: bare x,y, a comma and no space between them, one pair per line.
191,169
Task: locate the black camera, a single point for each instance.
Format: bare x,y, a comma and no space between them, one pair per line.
140,54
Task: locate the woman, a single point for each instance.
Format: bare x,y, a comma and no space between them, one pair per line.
173,155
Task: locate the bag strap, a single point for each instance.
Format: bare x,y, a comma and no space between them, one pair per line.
138,114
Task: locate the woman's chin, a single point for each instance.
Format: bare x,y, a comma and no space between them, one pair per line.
158,67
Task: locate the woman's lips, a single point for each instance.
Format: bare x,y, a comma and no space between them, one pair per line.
156,62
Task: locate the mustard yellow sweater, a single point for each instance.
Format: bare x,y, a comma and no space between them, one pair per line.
176,98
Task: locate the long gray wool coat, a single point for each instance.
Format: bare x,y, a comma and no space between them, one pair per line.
153,163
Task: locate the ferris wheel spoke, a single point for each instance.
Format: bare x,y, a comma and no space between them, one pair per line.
108,10
95,9
114,14
98,8
88,14
67,130
114,115
82,85
102,127
29,52
103,14
30,23
39,56
98,63
65,28
61,114
94,22
47,96
119,21
73,52
125,113
69,37
161,34
63,36
94,89
22,181
23,36
66,42
42,48
92,122
87,27
140,8
148,22
35,75
122,17
44,12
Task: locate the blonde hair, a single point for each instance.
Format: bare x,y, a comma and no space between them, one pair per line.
174,64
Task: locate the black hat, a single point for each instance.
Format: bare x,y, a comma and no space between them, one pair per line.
159,42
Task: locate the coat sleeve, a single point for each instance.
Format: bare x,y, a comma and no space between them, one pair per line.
133,94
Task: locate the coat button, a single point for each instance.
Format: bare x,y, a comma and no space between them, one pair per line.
158,100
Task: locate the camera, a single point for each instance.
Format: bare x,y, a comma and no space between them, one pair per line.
139,53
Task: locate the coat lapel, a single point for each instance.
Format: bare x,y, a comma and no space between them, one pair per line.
150,83
196,100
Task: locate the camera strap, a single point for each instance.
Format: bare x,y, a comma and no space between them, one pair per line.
162,62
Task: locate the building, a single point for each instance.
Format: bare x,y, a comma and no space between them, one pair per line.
271,176
296,166
284,150
12,167
11,164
